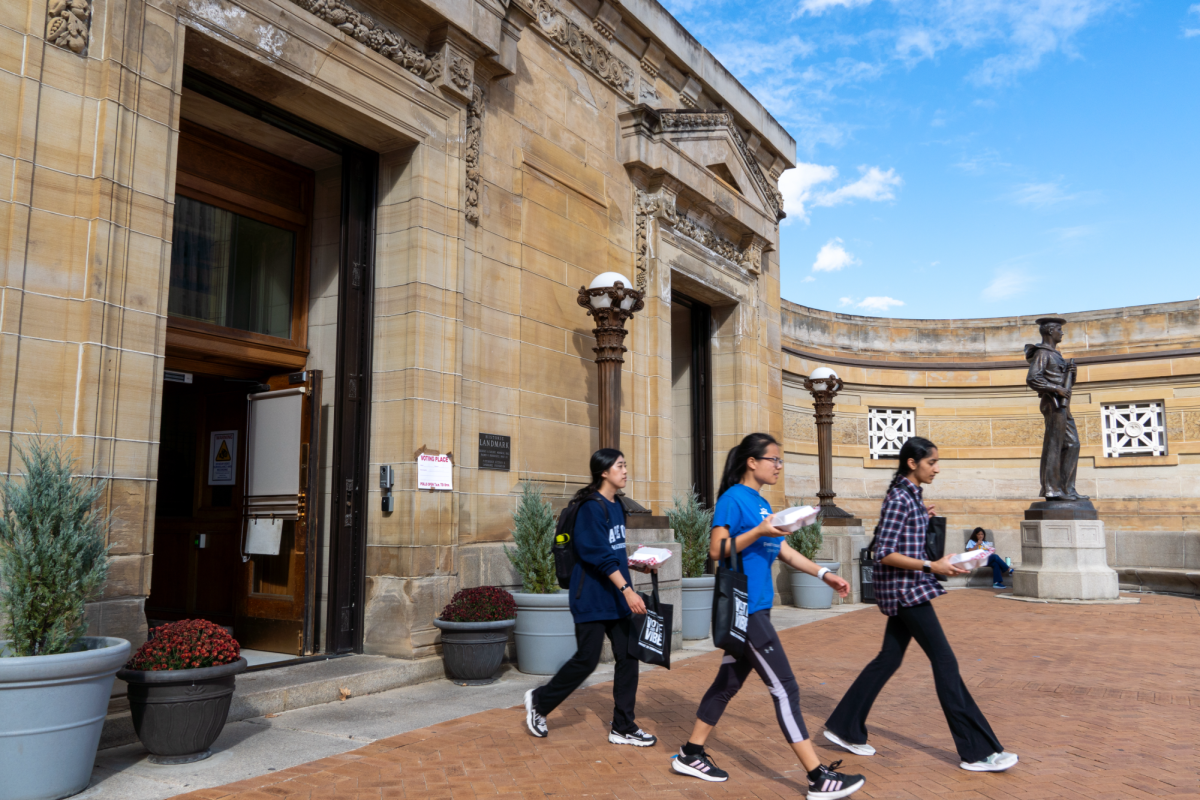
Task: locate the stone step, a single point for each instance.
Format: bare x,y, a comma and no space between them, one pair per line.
286,688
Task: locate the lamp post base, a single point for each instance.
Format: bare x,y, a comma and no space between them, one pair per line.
833,517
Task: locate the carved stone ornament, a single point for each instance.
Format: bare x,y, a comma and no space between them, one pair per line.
365,29
460,73
68,23
684,120
652,205
474,143
589,52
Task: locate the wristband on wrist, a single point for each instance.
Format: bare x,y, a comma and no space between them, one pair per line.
623,588
821,573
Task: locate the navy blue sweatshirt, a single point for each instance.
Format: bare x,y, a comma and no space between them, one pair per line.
599,550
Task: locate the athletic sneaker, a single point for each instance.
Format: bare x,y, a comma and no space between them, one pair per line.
533,720
830,785
996,762
638,738
999,586
699,766
857,749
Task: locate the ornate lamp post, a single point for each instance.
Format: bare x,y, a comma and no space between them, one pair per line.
609,301
824,384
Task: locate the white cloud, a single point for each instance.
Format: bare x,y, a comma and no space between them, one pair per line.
1074,232
875,185
798,187
880,304
1188,33
808,279
816,7
846,301
833,257
1007,283
1045,195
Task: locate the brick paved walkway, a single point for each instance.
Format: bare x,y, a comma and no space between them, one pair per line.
1100,702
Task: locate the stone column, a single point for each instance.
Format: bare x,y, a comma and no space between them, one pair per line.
1063,555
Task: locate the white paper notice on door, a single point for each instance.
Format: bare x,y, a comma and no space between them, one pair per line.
263,535
435,472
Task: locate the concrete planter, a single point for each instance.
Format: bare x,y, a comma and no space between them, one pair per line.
545,632
53,710
697,606
472,651
808,592
179,713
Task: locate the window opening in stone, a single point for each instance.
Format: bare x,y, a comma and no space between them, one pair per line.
691,424
1134,429
888,429
230,270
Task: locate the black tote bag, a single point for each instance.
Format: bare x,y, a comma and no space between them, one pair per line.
652,630
935,541
731,605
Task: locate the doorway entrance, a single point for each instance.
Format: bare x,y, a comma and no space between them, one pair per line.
691,393
270,291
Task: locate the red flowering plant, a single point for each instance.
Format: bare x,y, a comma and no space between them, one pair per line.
480,604
190,644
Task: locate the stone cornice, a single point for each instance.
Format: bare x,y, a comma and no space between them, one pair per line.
364,28
661,205
710,120
587,50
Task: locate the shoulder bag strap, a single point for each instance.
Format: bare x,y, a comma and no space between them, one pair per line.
654,591
733,556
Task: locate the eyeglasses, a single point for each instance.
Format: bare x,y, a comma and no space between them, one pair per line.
778,461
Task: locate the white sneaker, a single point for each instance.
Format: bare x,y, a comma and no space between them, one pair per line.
996,762
857,749
638,738
533,720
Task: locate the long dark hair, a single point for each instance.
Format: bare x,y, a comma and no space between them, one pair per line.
978,530
916,448
753,446
600,463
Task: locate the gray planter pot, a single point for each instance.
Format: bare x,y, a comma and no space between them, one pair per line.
472,651
545,632
697,606
179,713
53,712
808,592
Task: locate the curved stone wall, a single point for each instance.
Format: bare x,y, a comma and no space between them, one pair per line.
965,382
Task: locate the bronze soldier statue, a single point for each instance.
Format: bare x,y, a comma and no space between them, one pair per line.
1053,377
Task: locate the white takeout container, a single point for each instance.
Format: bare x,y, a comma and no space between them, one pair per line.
969,556
794,518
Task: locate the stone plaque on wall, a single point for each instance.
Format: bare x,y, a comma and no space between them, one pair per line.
493,451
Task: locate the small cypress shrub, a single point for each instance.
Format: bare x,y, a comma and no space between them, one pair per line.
53,555
533,534
692,523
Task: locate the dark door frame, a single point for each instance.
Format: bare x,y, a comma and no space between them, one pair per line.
701,338
346,543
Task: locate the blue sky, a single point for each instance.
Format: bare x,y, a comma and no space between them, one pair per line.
975,158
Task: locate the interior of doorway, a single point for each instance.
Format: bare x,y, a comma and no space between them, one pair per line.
691,397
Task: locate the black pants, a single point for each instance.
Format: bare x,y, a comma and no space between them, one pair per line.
973,737
589,637
764,654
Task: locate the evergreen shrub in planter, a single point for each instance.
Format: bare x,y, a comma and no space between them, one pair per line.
54,681
692,524
475,628
807,590
545,630
181,683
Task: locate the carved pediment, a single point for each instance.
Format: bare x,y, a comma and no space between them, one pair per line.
711,142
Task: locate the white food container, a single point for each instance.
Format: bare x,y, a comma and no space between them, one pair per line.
794,518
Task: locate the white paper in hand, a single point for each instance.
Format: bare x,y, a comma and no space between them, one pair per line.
980,554
794,518
649,556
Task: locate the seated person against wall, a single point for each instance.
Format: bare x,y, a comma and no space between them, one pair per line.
999,568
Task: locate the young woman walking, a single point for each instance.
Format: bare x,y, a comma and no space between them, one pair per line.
904,587
601,603
742,515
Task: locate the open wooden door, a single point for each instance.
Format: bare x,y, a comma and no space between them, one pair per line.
281,535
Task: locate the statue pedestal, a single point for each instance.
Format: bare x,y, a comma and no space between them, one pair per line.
1063,555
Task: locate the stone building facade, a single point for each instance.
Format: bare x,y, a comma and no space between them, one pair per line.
254,250
961,383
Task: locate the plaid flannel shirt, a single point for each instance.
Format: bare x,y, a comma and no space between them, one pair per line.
902,525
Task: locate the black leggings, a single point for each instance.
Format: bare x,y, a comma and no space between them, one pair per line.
589,638
764,654
973,737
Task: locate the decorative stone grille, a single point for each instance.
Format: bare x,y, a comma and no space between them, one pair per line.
1134,429
888,429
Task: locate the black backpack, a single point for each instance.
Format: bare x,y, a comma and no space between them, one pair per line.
563,548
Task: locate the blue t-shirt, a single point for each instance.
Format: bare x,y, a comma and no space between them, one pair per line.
741,509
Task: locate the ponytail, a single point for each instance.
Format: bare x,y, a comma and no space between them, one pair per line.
916,448
600,463
753,446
